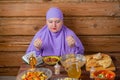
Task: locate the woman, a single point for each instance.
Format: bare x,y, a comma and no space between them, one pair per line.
55,38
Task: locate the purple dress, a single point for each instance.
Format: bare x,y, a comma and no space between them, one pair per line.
55,44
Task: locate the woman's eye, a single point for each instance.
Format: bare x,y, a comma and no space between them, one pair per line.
58,21
50,21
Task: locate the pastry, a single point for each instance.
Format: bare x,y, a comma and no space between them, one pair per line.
105,61
97,56
98,60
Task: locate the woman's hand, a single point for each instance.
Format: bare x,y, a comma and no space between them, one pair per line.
70,41
38,43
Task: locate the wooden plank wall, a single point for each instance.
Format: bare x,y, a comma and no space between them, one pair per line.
96,23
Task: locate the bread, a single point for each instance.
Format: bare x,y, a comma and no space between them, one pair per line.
91,63
97,56
105,61
98,60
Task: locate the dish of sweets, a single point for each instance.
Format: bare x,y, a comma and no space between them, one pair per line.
99,61
51,60
36,74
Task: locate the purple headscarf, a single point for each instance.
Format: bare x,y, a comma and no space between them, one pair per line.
55,43
54,13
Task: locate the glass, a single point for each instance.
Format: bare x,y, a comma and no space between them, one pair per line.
72,64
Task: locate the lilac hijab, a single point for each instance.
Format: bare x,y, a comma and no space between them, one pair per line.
54,44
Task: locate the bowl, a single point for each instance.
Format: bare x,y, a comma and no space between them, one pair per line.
104,75
36,73
51,60
67,59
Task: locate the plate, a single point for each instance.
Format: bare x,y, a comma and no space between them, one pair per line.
46,71
51,60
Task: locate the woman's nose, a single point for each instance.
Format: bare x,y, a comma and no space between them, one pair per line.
54,24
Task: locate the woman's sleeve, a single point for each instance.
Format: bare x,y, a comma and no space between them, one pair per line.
78,48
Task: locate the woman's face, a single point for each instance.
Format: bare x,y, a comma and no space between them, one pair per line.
54,24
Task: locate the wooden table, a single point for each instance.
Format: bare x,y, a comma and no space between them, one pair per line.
63,73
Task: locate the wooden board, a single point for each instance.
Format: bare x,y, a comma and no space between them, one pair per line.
111,67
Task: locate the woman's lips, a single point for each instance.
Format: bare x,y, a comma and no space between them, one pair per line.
54,28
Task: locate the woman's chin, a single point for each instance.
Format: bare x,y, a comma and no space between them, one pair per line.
54,31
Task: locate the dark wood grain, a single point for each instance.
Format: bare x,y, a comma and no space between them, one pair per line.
9,71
